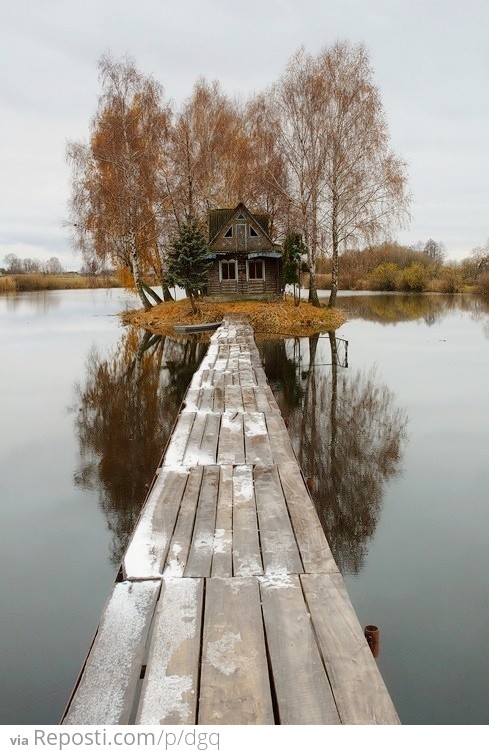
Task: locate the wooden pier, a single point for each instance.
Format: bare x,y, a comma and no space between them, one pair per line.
231,609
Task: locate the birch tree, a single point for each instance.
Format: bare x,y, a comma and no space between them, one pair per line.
344,183
210,153
118,198
365,186
295,116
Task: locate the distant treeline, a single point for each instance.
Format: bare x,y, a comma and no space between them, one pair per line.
393,267
15,265
29,274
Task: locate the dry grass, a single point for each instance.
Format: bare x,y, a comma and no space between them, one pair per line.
40,282
7,284
269,319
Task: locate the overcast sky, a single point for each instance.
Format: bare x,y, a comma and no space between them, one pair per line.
430,60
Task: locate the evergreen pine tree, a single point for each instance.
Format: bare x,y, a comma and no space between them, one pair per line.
293,250
187,260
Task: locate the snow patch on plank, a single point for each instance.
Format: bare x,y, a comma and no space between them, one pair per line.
221,653
104,696
278,579
167,696
145,555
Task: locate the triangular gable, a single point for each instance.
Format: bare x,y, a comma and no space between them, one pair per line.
220,220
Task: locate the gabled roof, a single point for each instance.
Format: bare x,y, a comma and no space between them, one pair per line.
219,218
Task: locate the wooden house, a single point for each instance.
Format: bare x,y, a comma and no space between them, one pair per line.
245,260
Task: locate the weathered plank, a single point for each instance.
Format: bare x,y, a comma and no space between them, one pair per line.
169,693
146,552
179,439
192,449
360,693
192,400
176,559
218,399
218,380
231,439
278,543
234,687
246,544
279,439
210,439
301,685
221,363
313,546
207,398
222,561
261,398
232,399
199,561
249,401
246,374
206,379
105,694
196,381
257,442
271,399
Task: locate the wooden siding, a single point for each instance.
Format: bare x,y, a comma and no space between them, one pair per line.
248,245
242,286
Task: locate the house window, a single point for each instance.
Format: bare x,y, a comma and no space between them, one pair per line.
227,270
256,270
229,232
253,232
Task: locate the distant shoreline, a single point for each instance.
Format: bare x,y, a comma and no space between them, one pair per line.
38,282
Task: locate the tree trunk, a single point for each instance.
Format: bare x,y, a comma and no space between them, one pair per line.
137,277
192,302
297,301
335,267
313,293
165,290
151,293
335,263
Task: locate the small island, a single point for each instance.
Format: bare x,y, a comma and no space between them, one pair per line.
268,318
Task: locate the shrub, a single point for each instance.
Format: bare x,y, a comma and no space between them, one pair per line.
323,281
483,284
451,279
413,278
384,277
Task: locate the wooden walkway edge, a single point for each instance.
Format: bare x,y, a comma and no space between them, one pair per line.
231,609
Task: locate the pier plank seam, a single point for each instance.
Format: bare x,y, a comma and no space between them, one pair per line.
230,593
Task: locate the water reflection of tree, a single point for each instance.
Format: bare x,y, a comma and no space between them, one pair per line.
479,311
39,301
431,308
396,308
126,408
349,438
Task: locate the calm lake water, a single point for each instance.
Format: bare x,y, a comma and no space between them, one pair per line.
390,422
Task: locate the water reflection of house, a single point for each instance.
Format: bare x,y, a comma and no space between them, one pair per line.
245,260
